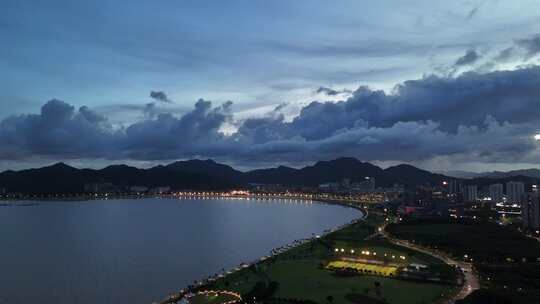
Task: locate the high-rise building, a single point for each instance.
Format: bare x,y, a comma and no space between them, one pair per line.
471,193
366,185
496,192
530,211
455,186
514,192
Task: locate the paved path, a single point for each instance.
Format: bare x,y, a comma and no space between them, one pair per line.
471,281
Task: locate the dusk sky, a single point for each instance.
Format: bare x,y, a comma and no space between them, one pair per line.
445,85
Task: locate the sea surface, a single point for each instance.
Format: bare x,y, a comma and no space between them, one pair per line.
139,251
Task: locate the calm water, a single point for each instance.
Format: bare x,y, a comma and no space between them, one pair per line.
138,251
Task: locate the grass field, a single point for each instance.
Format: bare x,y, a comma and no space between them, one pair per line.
307,280
300,273
211,298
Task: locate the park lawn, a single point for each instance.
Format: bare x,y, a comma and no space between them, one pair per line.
357,231
381,247
318,249
306,280
241,281
211,299
301,274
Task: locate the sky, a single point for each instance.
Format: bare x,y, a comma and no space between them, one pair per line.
443,85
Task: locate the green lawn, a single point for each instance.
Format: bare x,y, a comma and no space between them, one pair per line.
304,279
300,272
211,298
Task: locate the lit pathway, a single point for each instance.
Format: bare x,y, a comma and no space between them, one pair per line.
471,282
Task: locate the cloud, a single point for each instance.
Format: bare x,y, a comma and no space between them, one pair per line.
58,131
505,55
160,96
531,45
473,12
480,117
331,92
470,57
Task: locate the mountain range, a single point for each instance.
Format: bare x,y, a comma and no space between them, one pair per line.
207,175
532,173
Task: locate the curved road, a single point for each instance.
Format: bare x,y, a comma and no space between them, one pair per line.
471,281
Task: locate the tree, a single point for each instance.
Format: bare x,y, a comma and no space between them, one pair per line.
330,299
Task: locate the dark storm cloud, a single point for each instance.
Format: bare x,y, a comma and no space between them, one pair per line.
465,100
150,110
331,92
470,57
168,136
58,130
478,117
531,45
160,96
471,114
505,55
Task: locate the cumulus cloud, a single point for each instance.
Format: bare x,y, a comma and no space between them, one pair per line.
58,131
489,117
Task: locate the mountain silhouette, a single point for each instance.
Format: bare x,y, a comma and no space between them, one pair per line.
208,175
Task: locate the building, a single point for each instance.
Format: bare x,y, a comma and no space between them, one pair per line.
455,187
346,183
530,211
515,192
496,192
138,189
329,187
471,193
100,187
160,190
367,185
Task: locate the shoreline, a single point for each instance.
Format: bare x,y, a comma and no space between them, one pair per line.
321,197
362,207
175,298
